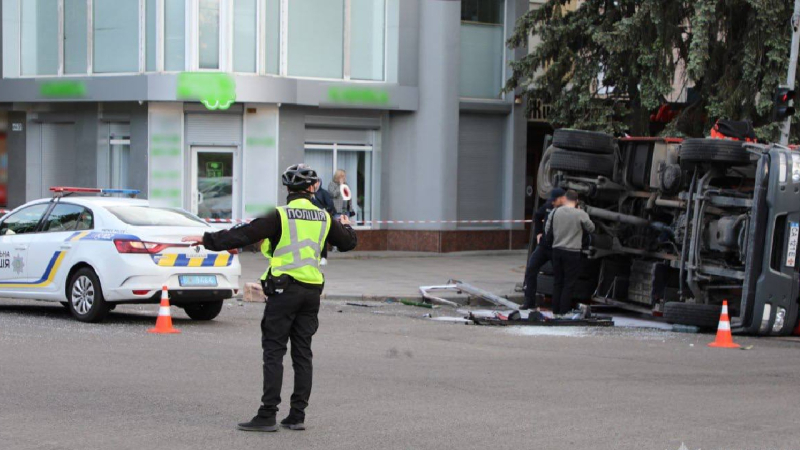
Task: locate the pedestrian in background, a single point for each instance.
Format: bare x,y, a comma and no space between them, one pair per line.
293,284
322,199
543,252
344,207
567,223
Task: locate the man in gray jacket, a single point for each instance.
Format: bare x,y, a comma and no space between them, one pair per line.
567,225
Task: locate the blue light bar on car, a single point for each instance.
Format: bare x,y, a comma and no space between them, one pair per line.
120,191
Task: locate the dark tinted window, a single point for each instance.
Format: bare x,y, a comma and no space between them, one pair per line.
144,216
65,217
24,220
482,11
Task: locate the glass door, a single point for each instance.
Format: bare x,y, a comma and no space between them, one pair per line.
214,189
356,162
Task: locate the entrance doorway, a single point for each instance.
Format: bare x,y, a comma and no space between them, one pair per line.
214,182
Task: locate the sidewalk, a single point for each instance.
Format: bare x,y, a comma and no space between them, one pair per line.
378,275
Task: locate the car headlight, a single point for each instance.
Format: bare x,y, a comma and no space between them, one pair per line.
782,168
796,167
780,317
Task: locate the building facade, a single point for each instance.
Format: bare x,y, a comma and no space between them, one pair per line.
201,104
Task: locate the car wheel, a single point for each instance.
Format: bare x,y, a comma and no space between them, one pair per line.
713,151
203,311
587,163
85,296
701,316
584,141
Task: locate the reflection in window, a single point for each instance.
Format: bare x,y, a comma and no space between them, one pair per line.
24,220
116,36
316,38
482,48
39,37
273,36
244,35
150,35
356,161
65,217
209,34
366,39
174,34
75,53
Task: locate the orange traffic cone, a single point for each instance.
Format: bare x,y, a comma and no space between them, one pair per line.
164,321
724,338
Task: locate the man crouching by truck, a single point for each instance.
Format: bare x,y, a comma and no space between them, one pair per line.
543,252
567,224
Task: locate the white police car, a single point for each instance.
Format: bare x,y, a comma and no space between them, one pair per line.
92,253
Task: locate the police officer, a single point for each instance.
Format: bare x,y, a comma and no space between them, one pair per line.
567,224
542,254
294,236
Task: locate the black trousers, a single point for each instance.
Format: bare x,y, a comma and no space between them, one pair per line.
566,270
290,315
539,258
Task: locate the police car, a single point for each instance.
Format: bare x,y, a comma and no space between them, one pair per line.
92,253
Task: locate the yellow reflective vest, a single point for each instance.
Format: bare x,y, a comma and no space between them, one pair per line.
304,229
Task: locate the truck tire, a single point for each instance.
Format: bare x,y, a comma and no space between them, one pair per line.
721,151
544,176
584,141
573,161
702,316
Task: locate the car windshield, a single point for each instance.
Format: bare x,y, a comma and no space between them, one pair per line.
145,216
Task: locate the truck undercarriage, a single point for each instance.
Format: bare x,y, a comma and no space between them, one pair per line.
684,225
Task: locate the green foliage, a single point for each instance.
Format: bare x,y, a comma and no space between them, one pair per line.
609,64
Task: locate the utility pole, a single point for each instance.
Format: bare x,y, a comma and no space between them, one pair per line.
792,67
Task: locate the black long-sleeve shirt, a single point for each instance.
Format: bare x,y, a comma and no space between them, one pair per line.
269,227
540,217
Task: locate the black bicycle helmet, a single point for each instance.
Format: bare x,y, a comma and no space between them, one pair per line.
299,177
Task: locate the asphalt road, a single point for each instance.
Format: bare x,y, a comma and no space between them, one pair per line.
387,379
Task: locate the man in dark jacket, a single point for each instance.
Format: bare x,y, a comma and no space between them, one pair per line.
543,252
293,285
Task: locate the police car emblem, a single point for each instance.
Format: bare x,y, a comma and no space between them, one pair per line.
18,264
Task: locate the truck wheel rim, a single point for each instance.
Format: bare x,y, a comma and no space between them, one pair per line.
82,295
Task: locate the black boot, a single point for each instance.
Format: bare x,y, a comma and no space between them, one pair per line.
293,423
259,423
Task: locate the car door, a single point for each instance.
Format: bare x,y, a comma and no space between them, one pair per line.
16,231
51,250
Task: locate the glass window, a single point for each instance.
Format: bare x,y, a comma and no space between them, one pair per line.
116,36
273,36
40,37
174,35
482,48
316,37
75,43
145,216
24,220
11,37
244,35
367,23
356,162
150,35
209,34
66,217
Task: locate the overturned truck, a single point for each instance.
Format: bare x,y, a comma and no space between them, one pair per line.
684,224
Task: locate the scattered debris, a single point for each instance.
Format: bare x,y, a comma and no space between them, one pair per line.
747,347
363,305
459,287
678,328
254,293
419,304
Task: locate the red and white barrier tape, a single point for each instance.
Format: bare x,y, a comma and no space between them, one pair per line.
389,222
